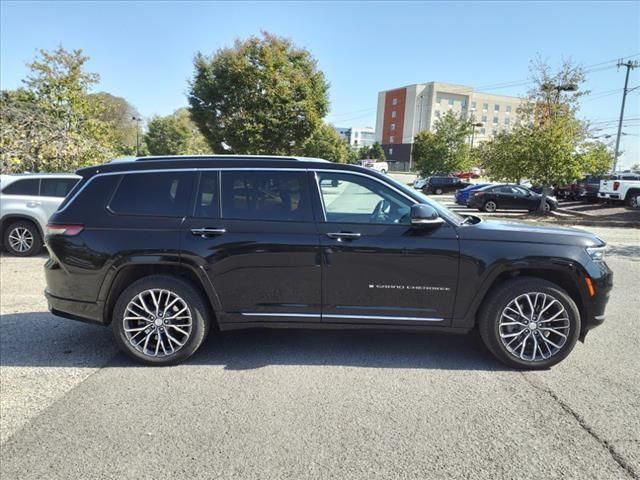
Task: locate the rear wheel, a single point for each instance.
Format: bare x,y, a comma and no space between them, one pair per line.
438,191
22,239
490,206
160,320
632,199
529,323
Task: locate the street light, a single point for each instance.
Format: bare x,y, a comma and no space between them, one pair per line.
137,120
473,130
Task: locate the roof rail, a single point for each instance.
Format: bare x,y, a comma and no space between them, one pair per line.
221,157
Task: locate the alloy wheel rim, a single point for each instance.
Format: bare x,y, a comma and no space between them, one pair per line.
490,206
534,326
157,322
21,239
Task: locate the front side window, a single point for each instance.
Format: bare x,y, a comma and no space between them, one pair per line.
28,186
266,195
163,194
351,198
57,187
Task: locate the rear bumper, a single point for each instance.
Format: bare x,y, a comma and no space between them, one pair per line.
90,312
609,196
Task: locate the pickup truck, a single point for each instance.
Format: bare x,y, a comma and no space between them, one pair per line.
624,186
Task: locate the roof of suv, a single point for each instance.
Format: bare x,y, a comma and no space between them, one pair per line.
210,161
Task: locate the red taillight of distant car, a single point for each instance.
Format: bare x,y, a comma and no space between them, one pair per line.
66,230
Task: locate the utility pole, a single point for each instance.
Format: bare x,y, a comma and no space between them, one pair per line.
630,66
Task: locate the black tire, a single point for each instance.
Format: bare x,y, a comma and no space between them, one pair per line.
492,310
490,206
193,300
631,199
32,234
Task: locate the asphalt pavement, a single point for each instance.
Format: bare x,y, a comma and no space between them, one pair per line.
315,404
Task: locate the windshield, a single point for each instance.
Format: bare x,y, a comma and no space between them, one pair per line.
443,211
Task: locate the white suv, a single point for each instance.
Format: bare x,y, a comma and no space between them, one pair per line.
26,203
621,186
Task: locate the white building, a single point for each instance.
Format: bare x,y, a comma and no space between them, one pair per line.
403,112
357,137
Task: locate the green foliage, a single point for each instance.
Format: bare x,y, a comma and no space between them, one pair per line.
375,151
352,155
52,124
503,156
262,96
120,117
596,158
175,134
445,150
326,143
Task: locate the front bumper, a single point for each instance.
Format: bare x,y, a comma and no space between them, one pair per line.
90,312
595,307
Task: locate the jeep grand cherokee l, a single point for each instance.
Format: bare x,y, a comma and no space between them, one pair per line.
163,249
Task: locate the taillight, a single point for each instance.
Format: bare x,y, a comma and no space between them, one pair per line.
616,185
66,230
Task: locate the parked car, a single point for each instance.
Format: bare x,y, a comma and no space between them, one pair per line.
508,197
419,183
588,188
623,187
462,195
26,203
162,249
443,184
378,165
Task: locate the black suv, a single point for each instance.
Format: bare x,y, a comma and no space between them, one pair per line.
444,184
163,249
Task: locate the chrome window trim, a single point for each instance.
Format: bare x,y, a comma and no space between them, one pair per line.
221,169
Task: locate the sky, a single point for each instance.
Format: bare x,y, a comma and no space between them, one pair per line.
143,51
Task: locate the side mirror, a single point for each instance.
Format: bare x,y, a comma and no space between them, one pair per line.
423,215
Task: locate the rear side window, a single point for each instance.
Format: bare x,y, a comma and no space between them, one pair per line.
156,194
266,195
57,187
28,186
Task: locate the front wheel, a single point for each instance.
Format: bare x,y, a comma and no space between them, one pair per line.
529,323
439,191
160,320
22,239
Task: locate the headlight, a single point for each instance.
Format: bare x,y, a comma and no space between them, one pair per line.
596,253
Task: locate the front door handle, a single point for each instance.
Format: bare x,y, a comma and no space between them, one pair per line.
208,232
344,235
33,204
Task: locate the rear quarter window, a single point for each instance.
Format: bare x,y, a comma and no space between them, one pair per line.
27,186
57,187
165,194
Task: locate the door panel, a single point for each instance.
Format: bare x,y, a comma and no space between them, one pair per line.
386,272
262,269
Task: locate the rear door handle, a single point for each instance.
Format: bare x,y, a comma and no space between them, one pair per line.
208,232
33,204
344,235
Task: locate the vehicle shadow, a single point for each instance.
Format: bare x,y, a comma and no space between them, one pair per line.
54,342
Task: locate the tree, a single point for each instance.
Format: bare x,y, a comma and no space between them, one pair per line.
120,116
326,143
175,134
445,150
262,96
51,124
635,167
376,151
549,146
